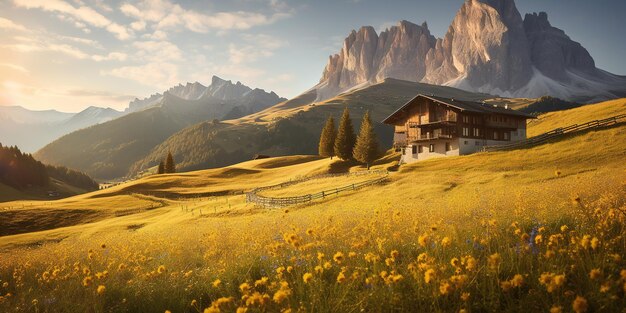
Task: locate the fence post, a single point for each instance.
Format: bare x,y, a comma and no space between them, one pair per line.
323,195
352,186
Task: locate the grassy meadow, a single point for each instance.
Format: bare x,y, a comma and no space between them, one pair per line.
532,230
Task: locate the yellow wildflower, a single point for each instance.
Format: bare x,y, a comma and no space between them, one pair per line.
505,285
595,243
429,275
245,287
423,240
494,261
446,242
261,282
445,288
595,274
338,257
216,283
465,296
307,277
556,309
517,280
580,305
341,277
101,289
280,295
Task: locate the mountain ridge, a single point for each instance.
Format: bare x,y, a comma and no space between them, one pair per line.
107,150
488,48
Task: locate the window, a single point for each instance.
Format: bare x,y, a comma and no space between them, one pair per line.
448,146
414,149
466,119
495,135
505,136
476,132
420,149
431,148
465,131
465,142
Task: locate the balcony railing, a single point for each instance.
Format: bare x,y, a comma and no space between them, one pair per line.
442,122
401,141
429,137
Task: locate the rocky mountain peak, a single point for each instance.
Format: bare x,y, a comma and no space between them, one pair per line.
488,48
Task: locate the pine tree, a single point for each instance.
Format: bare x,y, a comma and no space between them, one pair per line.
366,148
327,139
344,143
170,167
161,169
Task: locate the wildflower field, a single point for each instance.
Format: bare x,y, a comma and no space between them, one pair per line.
532,230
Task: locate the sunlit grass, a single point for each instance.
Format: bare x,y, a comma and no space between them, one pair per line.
530,230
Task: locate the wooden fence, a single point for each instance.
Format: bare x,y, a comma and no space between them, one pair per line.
254,197
558,132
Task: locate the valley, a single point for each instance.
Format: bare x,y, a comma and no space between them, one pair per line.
195,229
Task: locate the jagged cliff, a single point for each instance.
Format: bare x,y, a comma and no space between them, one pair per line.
487,48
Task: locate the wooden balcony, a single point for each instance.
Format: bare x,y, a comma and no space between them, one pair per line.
431,124
403,141
427,137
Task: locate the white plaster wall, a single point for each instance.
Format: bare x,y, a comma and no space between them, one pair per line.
440,150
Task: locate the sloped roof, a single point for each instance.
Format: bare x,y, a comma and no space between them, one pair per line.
462,105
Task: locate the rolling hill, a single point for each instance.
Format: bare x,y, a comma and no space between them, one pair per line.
442,233
290,127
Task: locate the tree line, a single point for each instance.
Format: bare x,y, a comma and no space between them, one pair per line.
345,144
21,170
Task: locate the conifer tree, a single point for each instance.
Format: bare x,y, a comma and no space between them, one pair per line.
344,142
366,148
161,169
327,139
170,167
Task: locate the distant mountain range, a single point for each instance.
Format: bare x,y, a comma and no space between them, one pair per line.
31,130
107,150
488,48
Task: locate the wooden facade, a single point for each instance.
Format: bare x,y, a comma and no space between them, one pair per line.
447,126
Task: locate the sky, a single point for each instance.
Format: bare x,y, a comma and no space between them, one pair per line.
70,54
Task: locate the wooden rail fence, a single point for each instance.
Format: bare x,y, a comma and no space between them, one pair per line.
254,197
558,132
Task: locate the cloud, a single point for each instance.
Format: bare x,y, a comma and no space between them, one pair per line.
39,46
8,24
15,67
138,25
102,94
82,14
166,15
157,51
160,75
259,46
157,35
